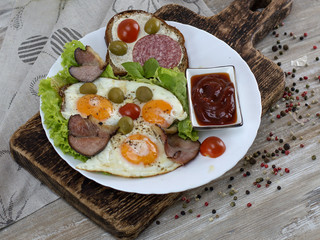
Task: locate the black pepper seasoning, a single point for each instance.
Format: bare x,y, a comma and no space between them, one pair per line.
279,188
286,146
247,192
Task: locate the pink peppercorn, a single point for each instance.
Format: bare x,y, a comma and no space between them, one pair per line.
287,152
258,185
198,215
287,170
206,203
266,166
262,165
176,217
305,34
249,204
314,47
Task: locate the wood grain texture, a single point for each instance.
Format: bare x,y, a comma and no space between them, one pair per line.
123,214
242,25
126,215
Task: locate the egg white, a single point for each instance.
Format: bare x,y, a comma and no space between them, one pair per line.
110,160
72,95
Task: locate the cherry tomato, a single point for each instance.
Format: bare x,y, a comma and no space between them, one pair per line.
131,110
128,30
212,147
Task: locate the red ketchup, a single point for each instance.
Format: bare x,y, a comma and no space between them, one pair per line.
213,99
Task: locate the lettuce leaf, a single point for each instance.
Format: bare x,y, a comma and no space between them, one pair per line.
55,122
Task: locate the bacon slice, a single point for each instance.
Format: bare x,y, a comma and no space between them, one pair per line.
180,150
91,65
177,149
87,136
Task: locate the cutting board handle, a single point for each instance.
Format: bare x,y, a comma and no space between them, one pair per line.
254,17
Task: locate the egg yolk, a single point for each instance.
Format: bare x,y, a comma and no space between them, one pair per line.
95,105
156,111
138,149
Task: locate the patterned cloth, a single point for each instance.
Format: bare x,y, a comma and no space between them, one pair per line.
36,34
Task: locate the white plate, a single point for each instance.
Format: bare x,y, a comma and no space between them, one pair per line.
204,50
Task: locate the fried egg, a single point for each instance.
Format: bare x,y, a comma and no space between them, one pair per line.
162,109
137,154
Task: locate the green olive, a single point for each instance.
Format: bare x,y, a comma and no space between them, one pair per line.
88,88
152,26
144,94
116,95
125,125
118,48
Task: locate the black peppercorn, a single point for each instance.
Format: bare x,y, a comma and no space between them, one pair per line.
286,146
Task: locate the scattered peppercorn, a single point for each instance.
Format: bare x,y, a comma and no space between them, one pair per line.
247,192
214,211
249,204
285,47
279,188
286,146
314,157
231,178
232,204
158,222
183,213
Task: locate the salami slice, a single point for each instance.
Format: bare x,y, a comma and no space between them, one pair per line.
161,47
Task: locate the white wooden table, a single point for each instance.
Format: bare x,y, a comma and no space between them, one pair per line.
290,213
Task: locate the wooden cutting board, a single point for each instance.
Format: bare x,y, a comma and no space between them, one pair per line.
123,214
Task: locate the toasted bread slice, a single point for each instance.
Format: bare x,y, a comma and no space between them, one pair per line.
169,45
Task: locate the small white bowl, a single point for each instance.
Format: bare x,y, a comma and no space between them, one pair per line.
230,70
